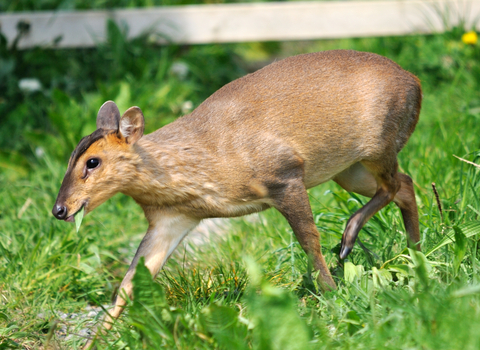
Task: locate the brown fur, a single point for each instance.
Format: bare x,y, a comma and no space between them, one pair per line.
260,142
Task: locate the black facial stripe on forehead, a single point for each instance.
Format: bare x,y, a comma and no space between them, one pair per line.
86,142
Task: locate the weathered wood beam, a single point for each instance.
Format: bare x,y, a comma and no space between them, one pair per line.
200,24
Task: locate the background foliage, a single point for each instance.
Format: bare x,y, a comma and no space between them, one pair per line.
245,288
32,5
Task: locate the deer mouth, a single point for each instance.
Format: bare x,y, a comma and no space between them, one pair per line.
71,218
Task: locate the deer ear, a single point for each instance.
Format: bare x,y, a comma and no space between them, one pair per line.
132,125
108,116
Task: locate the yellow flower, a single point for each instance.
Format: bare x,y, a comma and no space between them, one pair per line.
470,38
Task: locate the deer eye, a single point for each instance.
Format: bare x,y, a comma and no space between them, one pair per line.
93,163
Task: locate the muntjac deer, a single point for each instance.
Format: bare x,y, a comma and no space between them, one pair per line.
259,142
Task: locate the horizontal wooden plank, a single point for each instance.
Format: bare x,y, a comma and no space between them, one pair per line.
199,24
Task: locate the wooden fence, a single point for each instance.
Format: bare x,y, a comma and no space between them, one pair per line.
272,21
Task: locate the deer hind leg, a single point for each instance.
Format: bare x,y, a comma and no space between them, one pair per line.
405,200
292,202
165,232
360,180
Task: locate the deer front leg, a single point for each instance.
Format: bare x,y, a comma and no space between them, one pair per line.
166,230
294,205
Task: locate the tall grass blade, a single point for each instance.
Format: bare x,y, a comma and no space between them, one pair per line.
469,229
460,248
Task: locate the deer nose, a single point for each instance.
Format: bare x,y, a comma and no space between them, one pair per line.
59,211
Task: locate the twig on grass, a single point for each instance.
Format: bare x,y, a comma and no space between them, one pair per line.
438,200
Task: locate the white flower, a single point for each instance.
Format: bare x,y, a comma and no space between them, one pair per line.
29,84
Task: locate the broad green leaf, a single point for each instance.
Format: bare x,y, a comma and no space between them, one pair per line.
352,271
379,277
146,290
79,218
385,276
277,324
404,270
349,271
150,312
353,321
422,266
223,322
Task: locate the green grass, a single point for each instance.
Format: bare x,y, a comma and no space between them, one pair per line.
246,288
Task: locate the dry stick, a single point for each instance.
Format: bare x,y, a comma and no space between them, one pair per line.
438,200
467,161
